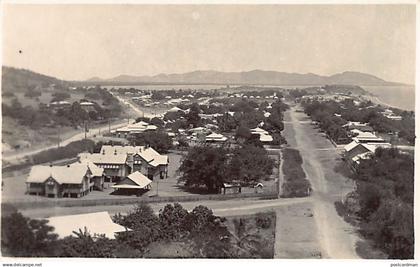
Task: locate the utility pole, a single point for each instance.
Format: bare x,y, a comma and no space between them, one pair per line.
58,136
85,130
157,187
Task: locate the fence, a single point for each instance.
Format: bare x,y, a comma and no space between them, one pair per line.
134,200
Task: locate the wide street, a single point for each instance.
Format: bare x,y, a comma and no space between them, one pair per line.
336,237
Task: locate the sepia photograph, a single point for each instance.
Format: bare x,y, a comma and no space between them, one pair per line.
208,131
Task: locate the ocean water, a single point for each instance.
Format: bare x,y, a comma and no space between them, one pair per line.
402,97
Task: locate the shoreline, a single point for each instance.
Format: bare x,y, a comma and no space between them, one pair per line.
375,99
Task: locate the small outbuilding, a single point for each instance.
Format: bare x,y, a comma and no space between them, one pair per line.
134,184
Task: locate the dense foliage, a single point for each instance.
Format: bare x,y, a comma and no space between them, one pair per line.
295,184
323,112
209,167
72,115
204,234
69,151
385,189
158,140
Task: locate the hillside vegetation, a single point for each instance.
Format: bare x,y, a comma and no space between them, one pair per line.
21,80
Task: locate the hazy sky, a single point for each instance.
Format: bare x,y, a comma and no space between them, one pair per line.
81,41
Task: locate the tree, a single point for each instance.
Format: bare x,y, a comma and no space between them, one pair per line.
24,237
204,166
243,133
144,224
385,186
193,117
173,224
157,122
158,140
209,233
84,245
250,164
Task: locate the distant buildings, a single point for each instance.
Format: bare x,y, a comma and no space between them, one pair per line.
216,138
390,115
136,128
264,136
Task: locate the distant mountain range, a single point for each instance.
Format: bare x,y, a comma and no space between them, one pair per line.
256,77
15,80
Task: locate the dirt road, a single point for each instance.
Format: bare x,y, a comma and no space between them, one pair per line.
336,238
76,137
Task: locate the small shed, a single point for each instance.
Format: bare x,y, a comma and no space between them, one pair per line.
231,189
134,184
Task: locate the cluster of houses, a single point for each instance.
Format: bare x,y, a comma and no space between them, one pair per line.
390,115
126,169
364,142
132,129
242,95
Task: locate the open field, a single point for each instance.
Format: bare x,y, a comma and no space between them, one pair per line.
296,232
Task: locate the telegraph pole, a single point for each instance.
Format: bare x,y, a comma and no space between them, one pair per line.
58,136
85,130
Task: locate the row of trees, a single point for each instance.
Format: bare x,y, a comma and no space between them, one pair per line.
195,234
209,167
385,189
323,112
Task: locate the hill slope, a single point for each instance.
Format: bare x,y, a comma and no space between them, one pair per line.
21,80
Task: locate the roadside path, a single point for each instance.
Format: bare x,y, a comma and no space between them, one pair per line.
65,142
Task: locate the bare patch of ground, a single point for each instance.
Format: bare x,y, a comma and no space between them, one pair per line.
296,233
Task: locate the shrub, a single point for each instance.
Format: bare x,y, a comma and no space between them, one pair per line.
69,151
263,220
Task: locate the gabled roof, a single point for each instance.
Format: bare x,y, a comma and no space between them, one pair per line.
153,157
96,223
148,154
266,138
139,179
124,150
174,109
70,174
94,169
350,146
99,158
362,156
259,130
